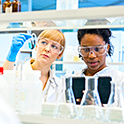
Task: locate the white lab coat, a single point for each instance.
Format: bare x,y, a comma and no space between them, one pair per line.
54,87
117,78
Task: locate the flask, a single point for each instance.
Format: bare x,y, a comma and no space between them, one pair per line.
68,109
6,7
91,106
16,6
114,113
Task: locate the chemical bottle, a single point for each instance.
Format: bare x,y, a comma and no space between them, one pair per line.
0,6
16,6
4,87
6,7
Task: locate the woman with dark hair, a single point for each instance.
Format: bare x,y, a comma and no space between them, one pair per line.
94,45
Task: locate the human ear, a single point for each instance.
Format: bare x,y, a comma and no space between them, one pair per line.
108,47
60,55
35,48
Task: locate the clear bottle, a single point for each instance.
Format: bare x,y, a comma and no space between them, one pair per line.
91,106
16,6
6,7
68,109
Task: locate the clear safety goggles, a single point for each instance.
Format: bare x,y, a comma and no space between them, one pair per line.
99,50
53,45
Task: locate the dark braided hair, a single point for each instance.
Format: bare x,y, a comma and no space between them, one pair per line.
104,33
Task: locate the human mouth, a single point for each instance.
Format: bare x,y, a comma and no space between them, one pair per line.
44,55
93,63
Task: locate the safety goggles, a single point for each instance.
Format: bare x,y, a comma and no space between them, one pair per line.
99,50
53,45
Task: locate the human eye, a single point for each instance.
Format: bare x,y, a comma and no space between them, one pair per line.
86,49
97,49
43,42
54,46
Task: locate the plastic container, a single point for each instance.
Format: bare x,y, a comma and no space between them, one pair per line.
31,94
4,87
9,75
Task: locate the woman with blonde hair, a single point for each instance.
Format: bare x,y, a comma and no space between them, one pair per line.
50,46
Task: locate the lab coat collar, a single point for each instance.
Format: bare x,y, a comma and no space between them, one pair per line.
52,79
98,73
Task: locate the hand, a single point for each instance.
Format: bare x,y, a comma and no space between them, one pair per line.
91,98
17,43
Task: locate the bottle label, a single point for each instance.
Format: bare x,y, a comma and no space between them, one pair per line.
8,9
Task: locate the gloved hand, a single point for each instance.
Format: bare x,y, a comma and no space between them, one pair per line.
17,43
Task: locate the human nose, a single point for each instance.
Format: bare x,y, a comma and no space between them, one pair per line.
92,54
48,47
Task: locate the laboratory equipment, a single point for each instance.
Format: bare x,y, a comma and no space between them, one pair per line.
91,106
68,109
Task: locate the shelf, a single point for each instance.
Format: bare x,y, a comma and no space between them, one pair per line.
37,119
61,27
94,17
69,62
82,13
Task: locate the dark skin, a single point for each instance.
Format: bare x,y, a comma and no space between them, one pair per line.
94,63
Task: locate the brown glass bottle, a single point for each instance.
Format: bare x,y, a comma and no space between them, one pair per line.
6,7
0,6
16,6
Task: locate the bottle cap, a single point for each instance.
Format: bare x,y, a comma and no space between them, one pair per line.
1,70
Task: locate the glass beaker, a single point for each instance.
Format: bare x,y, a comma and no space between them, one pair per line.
90,106
68,109
113,111
122,99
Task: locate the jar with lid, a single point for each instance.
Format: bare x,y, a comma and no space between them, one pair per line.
16,6
6,7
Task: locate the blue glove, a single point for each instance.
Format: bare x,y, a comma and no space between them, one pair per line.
17,43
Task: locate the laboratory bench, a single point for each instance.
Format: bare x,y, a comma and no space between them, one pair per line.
47,116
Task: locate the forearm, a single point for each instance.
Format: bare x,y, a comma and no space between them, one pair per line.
8,65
